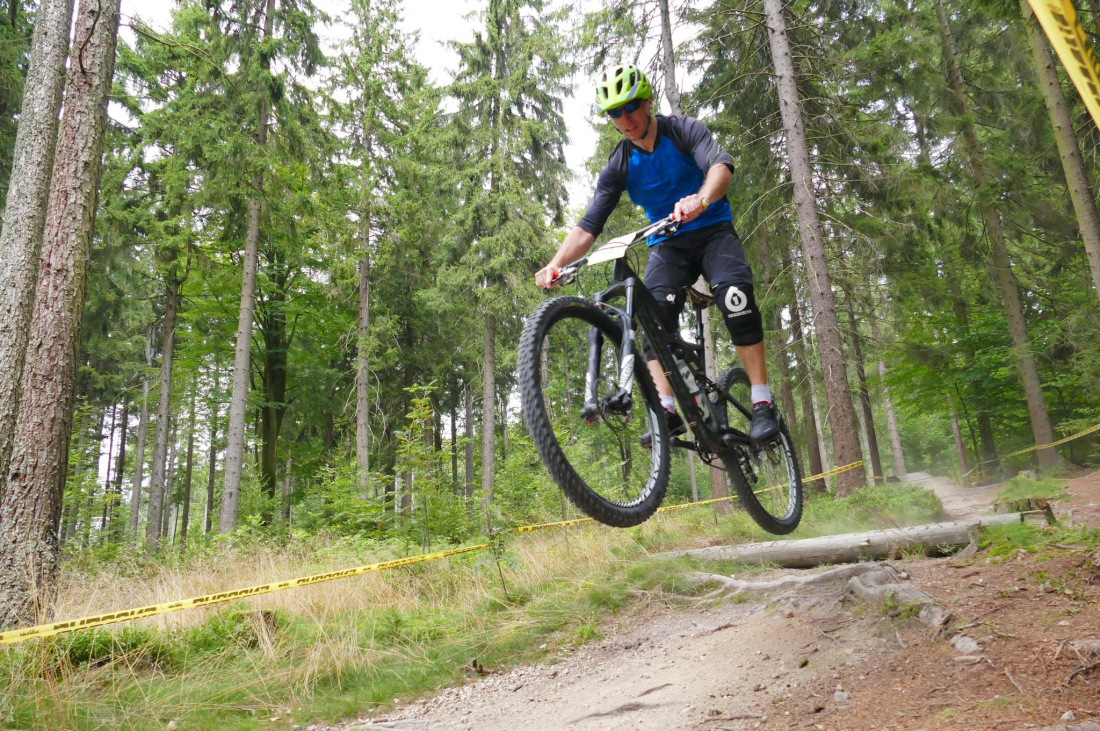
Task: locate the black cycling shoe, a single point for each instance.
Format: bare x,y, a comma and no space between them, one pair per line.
676,427
765,422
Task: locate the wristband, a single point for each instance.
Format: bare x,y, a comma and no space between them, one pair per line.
706,203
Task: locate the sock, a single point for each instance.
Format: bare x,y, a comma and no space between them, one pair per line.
669,402
761,393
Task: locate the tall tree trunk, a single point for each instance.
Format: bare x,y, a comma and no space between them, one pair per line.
25,206
1001,264
31,504
454,442
92,454
172,473
120,466
164,416
238,401
212,462
143,428
187,470
842,416
110,467
287,491
668,61
488,410
362,371
960,444
808,437
1077,180
468,427
276,348
891,414
864,394
779,348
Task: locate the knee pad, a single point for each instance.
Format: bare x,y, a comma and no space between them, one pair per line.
740,312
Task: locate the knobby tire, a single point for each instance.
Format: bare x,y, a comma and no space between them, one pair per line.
597,463
772,491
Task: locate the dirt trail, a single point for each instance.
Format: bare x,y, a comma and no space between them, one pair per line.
959,502
801,659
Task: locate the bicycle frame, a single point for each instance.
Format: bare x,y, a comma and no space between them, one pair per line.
712,432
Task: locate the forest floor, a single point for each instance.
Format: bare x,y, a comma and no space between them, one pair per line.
811,658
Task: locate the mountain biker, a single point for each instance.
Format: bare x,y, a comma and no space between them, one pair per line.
673,166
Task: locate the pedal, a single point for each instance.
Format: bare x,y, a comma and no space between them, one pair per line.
677,442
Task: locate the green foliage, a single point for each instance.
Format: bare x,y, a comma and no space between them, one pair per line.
871,507
1025,487
137,647
1004,542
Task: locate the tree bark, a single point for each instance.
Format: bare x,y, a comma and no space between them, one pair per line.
169,493
143,428
960,444
362,372
188,470
31,504
808,437
238,401
164,416
212,461
937,539
488,411
891,414
277,343
287,491
120,467
668,61
468,428
1077,180
842,416
110,471
1000,264
864,394
25,206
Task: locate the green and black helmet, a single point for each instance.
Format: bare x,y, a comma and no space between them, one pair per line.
621,84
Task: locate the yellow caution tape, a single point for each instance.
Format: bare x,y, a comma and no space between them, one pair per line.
49,630
1035,448
561,524
830,473
1068,38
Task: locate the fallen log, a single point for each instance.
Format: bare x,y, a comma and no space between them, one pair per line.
937,539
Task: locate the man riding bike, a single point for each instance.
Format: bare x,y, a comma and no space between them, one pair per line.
672,166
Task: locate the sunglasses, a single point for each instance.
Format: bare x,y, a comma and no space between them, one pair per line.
630,107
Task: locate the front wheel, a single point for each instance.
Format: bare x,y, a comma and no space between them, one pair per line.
766,476
594,454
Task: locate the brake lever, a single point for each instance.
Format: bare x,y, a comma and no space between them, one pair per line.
568,274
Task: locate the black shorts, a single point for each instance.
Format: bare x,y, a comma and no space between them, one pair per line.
714,252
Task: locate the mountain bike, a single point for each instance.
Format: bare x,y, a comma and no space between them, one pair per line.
588,397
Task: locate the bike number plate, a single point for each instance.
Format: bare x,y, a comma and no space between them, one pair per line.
615,249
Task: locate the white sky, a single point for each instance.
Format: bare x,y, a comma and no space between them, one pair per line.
438,21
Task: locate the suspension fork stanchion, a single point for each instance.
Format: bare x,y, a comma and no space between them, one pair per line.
592,376
626,364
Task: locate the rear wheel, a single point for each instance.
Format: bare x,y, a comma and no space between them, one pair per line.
594,456
766,476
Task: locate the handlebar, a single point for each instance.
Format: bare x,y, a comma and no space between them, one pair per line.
664,226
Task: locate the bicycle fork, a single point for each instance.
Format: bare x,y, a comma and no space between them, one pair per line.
620,402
